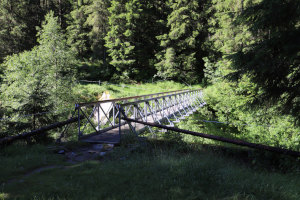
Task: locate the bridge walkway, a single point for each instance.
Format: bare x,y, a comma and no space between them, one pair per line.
163,108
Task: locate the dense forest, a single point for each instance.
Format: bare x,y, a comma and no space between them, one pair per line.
245,52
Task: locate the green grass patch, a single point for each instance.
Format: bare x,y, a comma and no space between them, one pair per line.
166,168
19,159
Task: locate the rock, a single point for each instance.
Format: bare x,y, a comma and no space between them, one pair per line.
98,147
108,147
102,153
61,151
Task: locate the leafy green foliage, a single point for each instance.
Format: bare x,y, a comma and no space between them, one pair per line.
18,21
16,30
77,30
98,15
123,18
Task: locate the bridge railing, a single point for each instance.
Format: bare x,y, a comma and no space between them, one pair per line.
102,116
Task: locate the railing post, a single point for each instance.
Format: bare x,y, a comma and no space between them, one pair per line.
113,104
98,110
78,115
119,114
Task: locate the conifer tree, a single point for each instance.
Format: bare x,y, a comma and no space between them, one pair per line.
97,20
180,56
17,21
39,80
120,38
78,31
131,38
272,59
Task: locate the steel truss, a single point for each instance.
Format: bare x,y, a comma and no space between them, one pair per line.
163,108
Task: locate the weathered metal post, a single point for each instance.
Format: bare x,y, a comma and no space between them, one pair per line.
113,104
98,107
78,108
119,108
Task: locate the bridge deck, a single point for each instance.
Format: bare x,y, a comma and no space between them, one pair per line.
112,136
170,108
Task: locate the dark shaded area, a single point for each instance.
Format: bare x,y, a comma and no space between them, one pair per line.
273,60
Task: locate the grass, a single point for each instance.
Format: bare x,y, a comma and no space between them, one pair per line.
19,159
171,166
166,168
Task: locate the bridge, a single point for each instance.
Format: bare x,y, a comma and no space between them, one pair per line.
103,121
106,121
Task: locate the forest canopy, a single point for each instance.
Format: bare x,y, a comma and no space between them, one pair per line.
246,49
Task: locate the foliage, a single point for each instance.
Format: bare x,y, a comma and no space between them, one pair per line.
87,27
131,39
19,19
180,58
272,59
246,50
77,30
259,125
15,30
37,81
98,15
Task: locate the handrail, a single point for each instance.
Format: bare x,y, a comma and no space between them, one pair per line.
128,98
160,97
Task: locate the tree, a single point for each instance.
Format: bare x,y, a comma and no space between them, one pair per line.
17,21
272,60
98,15
78,31
119,39
131,39
39,80
180,58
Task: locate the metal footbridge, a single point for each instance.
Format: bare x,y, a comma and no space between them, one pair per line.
105,121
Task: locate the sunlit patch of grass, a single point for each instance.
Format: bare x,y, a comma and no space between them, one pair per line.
3,196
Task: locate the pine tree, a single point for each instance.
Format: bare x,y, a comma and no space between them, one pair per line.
17,21
272,59
180,58
78,31
131,38
39,80
119,39
97,19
